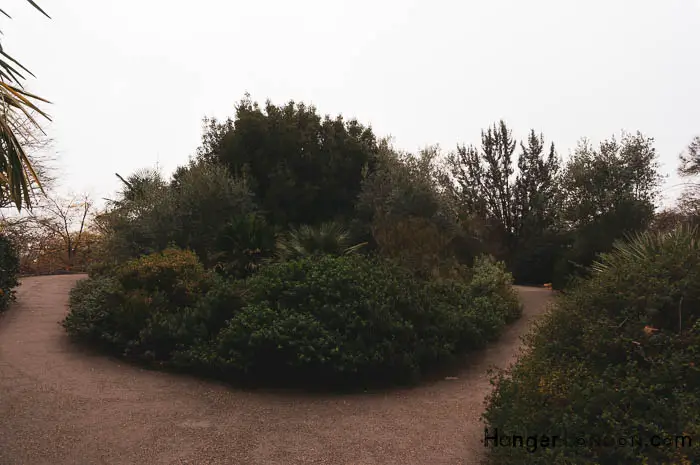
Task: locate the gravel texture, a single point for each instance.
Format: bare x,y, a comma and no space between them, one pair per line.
60,404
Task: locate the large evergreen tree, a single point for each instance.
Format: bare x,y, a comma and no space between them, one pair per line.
514,206
610,191
302,168
536,187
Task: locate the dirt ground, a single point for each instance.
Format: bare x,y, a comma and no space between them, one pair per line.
60,404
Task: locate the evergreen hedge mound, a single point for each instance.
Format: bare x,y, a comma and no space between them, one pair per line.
616,358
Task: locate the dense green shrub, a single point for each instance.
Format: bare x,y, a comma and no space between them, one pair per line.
344,320
406,214
491,282
9,270
150,308
615,357
352,320
242,245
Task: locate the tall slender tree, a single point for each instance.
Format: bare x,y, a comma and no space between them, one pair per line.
536,187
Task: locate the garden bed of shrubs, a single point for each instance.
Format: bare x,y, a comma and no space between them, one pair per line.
330,321
617,357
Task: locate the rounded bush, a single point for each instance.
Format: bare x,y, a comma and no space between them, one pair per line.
615,358
150,308
348,320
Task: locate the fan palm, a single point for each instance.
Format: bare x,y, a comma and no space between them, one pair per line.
16,106
329,238
645,245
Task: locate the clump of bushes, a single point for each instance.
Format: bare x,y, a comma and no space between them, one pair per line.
616,357
9,270
321,320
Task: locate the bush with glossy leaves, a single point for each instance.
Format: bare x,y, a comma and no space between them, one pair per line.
351,320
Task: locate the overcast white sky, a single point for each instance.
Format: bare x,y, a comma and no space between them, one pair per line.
131,80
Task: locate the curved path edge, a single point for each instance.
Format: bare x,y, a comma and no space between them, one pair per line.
60,404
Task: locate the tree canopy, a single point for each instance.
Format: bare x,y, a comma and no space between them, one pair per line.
301,167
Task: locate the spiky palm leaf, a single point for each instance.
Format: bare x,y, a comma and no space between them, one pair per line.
644,245
329,238
16,104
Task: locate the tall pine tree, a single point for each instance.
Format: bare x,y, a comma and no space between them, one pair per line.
514,208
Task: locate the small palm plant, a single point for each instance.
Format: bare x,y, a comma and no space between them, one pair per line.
327,239
644,245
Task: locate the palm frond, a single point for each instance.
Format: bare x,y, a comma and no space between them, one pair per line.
38,8
643,246
329,238
17,172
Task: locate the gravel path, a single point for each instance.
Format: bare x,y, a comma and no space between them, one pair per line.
60,404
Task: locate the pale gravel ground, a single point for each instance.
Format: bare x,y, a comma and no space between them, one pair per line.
60,404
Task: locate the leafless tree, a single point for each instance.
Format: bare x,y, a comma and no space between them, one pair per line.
67,219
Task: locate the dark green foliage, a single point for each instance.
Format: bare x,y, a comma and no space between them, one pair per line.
150,308
203,209
538,259
9,270
404,185
351,320
406,214
242,245
93,304
483,178
515,211
598,236
302,168
323,320
134,224
600,181
205,203
491,280
546,224
610,192
616,357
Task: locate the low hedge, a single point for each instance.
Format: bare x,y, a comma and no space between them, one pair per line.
9,271
615,359
335,321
